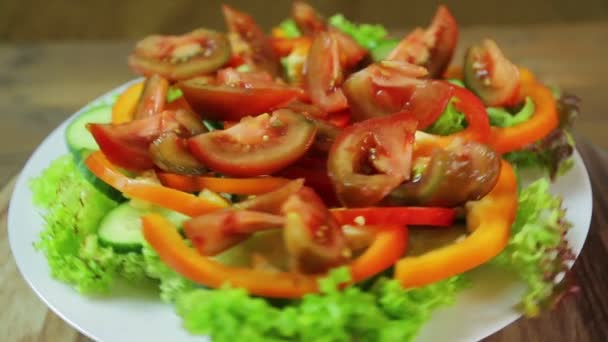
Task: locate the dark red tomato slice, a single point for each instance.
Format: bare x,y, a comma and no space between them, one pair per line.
272,201
310,22
326,131
255,45
256,146
153,98
467,166
231,102
371,158
491,75
323,74
215,232
313,237
170,153
432,48
251,79
179,57
396,87
126,145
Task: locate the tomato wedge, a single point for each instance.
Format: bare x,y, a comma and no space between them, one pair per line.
127,144
388,245
432,48
217,231
370,158
310,22
179,57
153,98
256,146
256,48
235,100
323,74
389,87
491,75
415,216
314,239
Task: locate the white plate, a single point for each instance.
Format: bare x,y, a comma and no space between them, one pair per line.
131,315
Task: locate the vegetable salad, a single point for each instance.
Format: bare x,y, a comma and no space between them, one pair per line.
275,186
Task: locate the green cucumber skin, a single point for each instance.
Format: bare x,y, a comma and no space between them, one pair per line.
80,144
121,228
77,135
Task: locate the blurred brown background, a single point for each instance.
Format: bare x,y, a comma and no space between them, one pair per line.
36,20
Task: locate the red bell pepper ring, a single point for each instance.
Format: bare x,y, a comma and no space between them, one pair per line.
416,216
387,247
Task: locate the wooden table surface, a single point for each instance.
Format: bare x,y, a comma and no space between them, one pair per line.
41,84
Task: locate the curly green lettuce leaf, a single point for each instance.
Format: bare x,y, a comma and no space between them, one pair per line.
451,121
385,313
538,250
171,284
72,210
367,35
500,117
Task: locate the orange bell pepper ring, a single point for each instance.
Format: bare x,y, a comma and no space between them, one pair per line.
238,186
176,200
124,107
544,120
489,221
387,247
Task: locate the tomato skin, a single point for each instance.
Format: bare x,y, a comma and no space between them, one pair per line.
371,158
313,237
323,74
233,102
126,145
433,47
310,22
153,98
470,167
272,201
256,146
260,54
491,75
396,87
180,57
217,231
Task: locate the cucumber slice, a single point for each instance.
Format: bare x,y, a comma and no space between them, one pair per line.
81,143
121,227
79,159
77,135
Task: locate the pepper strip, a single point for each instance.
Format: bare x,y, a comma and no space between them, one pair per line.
490,221
124,108
238,186
388,246
182,202
417,216
544,120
